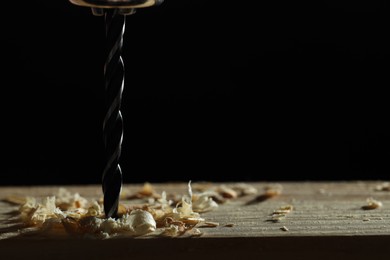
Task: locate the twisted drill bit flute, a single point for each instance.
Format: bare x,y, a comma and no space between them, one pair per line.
114,12
113,122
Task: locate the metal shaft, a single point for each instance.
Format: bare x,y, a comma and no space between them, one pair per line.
113,122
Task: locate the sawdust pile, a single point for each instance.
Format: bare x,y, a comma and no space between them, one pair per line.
162,215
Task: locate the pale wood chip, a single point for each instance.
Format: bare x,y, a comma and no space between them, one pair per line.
280,213
273,190
209,224
372,204
284,228
383,187
227,192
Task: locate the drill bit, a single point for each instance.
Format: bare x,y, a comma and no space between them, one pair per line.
114,12
113,122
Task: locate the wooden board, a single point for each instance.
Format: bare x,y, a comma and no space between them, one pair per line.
327,222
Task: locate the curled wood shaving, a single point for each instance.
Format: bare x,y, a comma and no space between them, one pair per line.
184,212
65,200
215,196
269,192
203,186
70,213
147,191
281,213
196,232
227,192
36,213
203,203
273,190
83,218
137,223
224,192
283,210
244,189
383,187
172,231
372,204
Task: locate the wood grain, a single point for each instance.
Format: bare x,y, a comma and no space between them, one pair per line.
327,221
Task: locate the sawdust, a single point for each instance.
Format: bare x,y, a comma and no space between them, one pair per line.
69,213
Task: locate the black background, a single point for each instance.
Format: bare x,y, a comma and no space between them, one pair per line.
215,90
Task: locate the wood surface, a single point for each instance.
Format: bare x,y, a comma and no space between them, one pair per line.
327,221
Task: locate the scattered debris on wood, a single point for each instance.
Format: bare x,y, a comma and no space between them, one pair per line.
273,190
269,192
372,204
284,228
229,225
69,213
385,186
195,232
208,224
147,191
221,193
227,192
280,213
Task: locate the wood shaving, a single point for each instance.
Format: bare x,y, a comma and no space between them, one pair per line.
227,192
196,232
66,200
69,213
172,231
224,192
203,203
229,225
46,214
215,196
244,189
372,204
209,224
383,187
273,190
203,186
137,223
147,191
269,192
281,213
284,228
